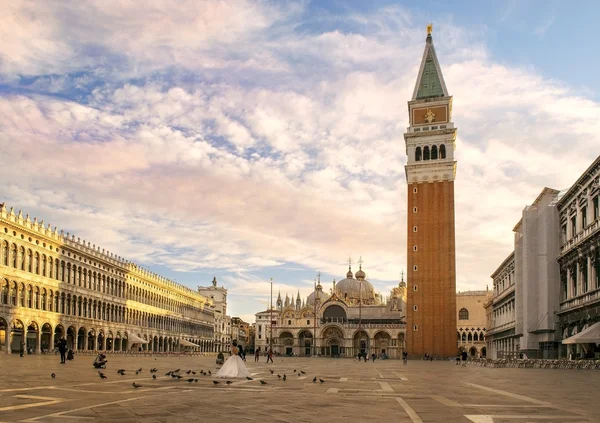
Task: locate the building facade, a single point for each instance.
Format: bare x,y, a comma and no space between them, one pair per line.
54,285
222,322
430,173
239,331
351,319
472,322
579,263
526,286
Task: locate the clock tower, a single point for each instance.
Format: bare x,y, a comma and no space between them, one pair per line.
430,173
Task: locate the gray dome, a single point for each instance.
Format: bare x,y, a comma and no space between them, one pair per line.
320,295
352,288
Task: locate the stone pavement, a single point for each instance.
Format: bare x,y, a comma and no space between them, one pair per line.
353,392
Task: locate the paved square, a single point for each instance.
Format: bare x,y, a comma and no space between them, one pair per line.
352,392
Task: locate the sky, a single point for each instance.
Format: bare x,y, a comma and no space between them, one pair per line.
257,140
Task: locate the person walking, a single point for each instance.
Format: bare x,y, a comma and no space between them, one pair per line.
257,354
270,355
21,348
464,358
62,349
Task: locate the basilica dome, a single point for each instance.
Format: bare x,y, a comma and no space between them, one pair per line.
322,296
350,289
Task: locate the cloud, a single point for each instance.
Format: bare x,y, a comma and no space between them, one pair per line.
542,29
224,138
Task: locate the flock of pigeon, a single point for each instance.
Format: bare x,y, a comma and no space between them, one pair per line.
175,374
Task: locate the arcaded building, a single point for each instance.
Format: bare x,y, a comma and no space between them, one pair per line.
472,322
54,285
430,173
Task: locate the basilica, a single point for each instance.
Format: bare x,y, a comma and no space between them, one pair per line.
350,319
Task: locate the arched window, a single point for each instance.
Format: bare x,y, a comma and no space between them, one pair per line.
475,337
464,337
5,292
425,153
14,256
434,152
13,294
22,259
44,298
470,337
5,253
418,154
442,151
463,314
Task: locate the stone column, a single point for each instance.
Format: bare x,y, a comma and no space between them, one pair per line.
9,339
38,341
51,346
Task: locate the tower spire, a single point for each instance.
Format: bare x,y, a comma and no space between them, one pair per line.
430,81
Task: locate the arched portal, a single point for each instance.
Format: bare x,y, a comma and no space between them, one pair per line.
101,339
361,342
91,339
59,333
286,343
305,340
3,334
46,337
31,342
81,339
333,339
473,352
17,333
334,314
71,337
382,341
109,340
483,352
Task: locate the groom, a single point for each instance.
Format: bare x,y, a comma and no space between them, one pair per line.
241,352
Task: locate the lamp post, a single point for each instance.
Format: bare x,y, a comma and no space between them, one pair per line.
271,317
315,318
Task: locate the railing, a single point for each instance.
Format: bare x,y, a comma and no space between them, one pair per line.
588,230
580,300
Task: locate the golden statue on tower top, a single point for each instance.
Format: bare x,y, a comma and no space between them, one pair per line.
429,28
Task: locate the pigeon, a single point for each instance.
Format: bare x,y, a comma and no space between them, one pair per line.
209,372
284,377
135,385
153,376
176,371
315,379
121,372
294,370
271,371
279,376
102,375
168,374
249,378
139,370
193,373
299,375
262,382
303,372
188,372
179,376
53,376
196,380
215,382
190,380
321,380
229,382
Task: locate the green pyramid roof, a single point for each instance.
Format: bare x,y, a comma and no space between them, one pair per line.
430,81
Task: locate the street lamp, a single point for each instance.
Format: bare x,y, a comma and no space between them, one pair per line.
271,318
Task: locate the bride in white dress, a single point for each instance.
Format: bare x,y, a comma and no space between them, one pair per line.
234,367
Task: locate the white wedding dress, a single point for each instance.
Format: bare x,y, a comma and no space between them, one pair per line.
234,367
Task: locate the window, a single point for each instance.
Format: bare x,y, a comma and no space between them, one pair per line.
414,229
573,226
414,209
415,308
289,322
584,277
442,151
434,151
308,322
415,328
595,205
418,154
583,217
259,336
415,268
574,276
425,153
415,288
414,190
563,233
463,314
415,248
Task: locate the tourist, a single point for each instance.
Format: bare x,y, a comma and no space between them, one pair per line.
270,355
62,349
220,358
404,357
257,354
458,358
100,361
464,358
234,366
22,348
70,355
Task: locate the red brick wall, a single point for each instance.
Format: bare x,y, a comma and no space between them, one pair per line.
436,274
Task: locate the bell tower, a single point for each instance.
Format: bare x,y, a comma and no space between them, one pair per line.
430,173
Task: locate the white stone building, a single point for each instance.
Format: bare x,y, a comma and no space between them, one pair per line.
54,285
222,326
526,287
579,260
264,328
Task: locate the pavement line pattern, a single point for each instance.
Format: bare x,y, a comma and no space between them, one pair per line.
332,391
385,387
489,418
401,376
343,379
408,409
508,394
446,401
380,375
45,401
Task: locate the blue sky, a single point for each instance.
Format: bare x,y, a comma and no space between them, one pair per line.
250,140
